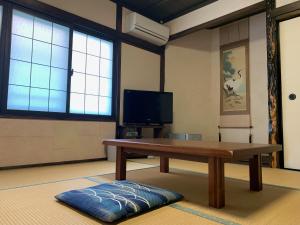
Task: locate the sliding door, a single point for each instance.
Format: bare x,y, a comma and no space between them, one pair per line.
290,78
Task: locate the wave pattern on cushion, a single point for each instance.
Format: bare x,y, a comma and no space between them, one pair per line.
119,199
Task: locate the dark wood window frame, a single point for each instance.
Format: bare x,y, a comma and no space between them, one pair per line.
73,22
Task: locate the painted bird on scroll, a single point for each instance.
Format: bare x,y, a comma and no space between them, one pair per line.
232,85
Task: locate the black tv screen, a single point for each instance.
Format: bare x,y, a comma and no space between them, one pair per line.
147,107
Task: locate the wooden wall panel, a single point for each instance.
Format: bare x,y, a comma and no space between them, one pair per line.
234,32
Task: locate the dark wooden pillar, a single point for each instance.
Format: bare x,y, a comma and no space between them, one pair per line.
216,185
121,164
255,173
117,68
164,164
162,69
274,87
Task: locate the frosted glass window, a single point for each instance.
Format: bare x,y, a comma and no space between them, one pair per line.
106,68
92,85
22,24
105,106
18,97
91,104
60,57
39,99
78,62
21,48
78,83
58,79
106,49
57,101
79,41
93,46
40,76
42,30
19,73
105,87
41,53
92,65
60,35
77,103
39,63
92,78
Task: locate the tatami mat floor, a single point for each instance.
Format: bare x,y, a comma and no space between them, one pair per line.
279,177
37,175
27,195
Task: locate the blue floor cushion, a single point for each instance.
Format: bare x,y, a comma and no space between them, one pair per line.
119,199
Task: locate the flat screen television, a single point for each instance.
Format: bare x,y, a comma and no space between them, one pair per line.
147,107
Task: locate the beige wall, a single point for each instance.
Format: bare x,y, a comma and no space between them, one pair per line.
193,74
99,11
280,3
140,70
188,76
24,142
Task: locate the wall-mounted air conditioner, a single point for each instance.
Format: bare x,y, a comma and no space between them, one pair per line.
146,29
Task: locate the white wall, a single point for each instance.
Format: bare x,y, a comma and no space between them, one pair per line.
207,13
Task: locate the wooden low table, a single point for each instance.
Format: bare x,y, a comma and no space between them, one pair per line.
216,153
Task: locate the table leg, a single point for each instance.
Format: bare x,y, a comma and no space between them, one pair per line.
255,173
164,165
121,164
216,183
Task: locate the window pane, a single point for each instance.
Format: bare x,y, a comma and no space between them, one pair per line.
92,57
78,83
93,46
105,106
42,30
57,101
92,65
21,48
39,99
61,35
59,79
60,57
40,76
105,87
106,68
78,62
41,53
79,41
22,24
30,64
77,103
19,73
91,104
106,49
18,97
92,85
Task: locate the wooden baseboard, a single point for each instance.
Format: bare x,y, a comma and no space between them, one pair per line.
51,163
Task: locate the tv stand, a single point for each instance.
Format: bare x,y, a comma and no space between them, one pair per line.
133,131
136,131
